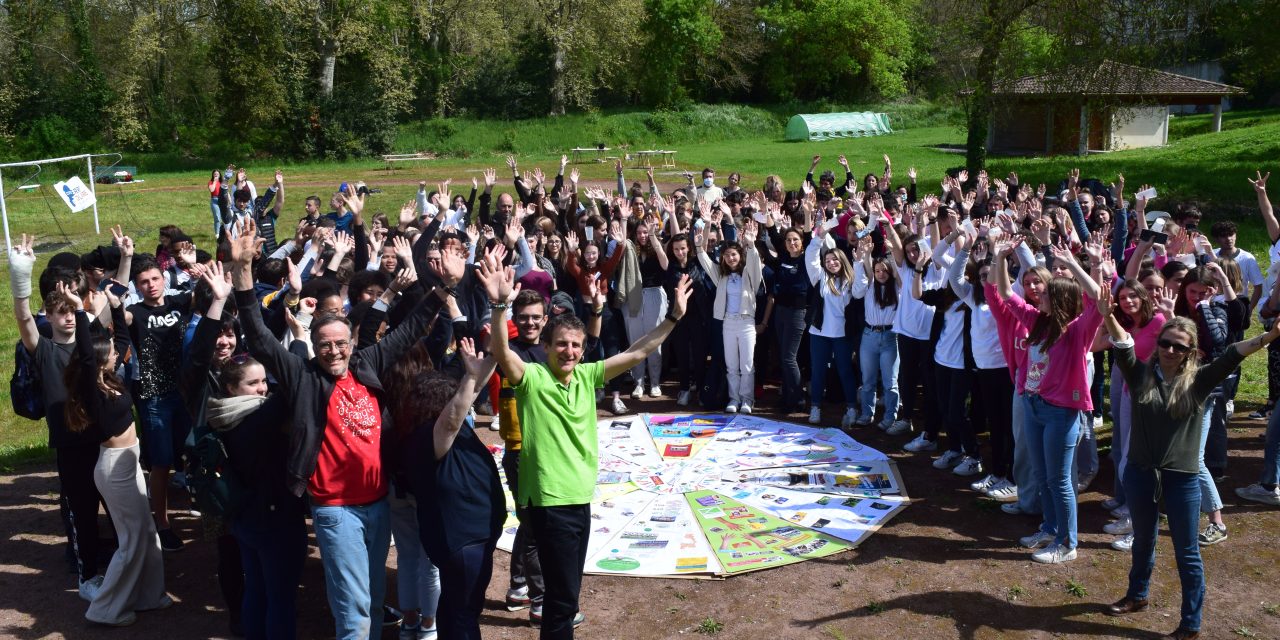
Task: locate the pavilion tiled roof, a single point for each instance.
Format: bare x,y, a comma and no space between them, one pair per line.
1115,79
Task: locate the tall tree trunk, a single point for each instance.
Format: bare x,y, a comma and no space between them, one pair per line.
557,76
328,60
980,106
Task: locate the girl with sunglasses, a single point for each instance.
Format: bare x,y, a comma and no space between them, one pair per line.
1169,392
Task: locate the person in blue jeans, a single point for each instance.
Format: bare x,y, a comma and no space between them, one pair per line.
1169,394
833,282
878,353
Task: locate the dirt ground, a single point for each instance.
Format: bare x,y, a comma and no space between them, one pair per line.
948,567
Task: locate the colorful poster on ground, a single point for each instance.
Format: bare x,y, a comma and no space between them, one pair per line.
748,538
867,479
849,518
663,540
683,437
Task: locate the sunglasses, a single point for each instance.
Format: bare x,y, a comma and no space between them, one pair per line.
1178,347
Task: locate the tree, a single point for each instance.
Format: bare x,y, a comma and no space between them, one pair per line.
679,31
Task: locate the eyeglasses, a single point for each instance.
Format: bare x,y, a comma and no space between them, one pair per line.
340,345
1177,347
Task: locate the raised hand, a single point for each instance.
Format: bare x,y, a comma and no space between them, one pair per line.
538,175
453,265
511,163
344,243
476,365
70,292
615,231
498,281
245,246
749,231
125,243
403,248
446,200
1165,300
571,242
1106,302
564,162
911,173
816,160
490,178
681,303
404,279
218,281
475,183
844,162
963,176
574,174
295,276
1258,185
597,291
408,212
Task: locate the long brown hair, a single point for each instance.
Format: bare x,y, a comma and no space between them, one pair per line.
1064,306
1181,403
77,416
1146,308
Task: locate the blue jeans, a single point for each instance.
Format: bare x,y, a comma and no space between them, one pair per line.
417,580
217,219
878,357
1210,501
1024,469
1271,451
1181,494
1052,432
465,575
1122,418
353,543
273,546
165,423
821,351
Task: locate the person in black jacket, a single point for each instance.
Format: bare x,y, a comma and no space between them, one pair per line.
334,451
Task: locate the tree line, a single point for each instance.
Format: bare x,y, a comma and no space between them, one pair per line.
333,78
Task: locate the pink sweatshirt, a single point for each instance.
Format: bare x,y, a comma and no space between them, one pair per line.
1013,337
1065,383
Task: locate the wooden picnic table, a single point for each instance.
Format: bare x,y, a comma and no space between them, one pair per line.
644,159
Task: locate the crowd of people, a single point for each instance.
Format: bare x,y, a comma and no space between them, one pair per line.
339,369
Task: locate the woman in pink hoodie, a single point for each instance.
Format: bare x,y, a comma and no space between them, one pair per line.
1054,387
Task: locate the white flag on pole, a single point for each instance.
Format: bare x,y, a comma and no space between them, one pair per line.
75,193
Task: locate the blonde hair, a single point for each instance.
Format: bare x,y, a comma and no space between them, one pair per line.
840,279
1180,404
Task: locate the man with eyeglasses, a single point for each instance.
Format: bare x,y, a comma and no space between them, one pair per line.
335,441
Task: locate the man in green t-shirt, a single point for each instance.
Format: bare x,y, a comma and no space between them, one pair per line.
556,403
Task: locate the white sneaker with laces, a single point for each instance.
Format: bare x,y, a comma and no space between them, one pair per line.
1119,527
683,399
745,408
921,443
496,423
638,392
815,415
655,391
985,483
89,588
968,467
731,408
1036,540
618,408
1123,543
1054,554
899,427
1003,491
948,459
850,415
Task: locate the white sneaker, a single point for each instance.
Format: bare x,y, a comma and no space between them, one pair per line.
638,392
1097,422
1036,540
850,415
731,408
921,443
1119,527
948,459
745,408
815,415
985,483
1259,493
899,427
496,423
1111,504
618,408
683,399
1054,554
89,588
655,391
1123,543
1231,408
968,467
1003,491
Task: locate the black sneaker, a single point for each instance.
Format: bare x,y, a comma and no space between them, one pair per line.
169,541
391,617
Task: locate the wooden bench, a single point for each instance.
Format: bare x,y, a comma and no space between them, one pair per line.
392,158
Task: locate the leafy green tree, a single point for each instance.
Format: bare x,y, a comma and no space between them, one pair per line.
678,31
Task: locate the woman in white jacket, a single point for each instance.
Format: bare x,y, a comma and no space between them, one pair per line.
832,278
738,278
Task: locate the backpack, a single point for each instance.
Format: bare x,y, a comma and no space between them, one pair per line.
24,386
216,490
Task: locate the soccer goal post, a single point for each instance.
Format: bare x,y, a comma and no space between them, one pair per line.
92,186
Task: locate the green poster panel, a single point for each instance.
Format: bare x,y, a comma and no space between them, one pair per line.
745,538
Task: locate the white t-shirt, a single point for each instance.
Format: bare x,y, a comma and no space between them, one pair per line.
915,318
949,352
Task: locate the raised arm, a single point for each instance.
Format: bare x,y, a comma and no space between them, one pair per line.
22,261
640,349
499,284
450,420
1264,206
1087,283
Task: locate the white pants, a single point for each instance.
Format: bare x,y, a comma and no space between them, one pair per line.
653,310
739,357
135,578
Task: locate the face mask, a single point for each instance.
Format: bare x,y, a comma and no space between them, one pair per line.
708,182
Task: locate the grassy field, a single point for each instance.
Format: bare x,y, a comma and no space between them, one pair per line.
1209,168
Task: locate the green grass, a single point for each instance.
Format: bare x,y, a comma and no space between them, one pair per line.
1210,167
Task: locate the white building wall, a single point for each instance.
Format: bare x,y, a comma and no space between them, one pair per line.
1138,127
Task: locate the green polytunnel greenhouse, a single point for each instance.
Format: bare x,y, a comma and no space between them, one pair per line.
823,126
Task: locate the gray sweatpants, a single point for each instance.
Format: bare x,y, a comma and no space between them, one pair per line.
135,578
